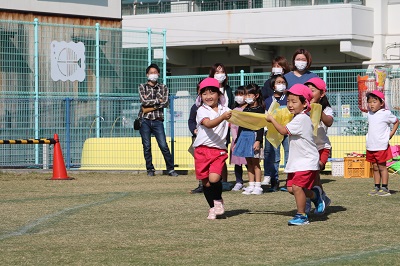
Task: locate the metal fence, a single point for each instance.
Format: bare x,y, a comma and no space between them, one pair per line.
90,98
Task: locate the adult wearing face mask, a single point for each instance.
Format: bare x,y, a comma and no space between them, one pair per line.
280,66
154,98
301,63
218,72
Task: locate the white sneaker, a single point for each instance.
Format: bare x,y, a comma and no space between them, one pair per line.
211,214
266,181
248,190
257,191
237,187
219,207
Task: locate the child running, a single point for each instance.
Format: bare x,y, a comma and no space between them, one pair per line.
302,164
210,151
318,89
240,104
378,136
249,142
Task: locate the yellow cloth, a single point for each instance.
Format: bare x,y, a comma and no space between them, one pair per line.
282,116
253,121
315,115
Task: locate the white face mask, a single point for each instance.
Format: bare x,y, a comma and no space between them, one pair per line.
249,100
239,99
152,77
220,77
280,87
300,65
277,70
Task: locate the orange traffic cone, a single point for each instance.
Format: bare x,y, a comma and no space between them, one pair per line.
59,171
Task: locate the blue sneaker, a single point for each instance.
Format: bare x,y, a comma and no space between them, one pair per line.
299,219
308,205
318,201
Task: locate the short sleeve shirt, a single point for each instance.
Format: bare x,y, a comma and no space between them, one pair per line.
211,137
379,129
322,139
303,155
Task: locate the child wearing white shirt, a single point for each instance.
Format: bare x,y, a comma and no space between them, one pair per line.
302,164
378,136
210,151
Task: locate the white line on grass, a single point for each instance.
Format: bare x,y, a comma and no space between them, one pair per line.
350,257
23,230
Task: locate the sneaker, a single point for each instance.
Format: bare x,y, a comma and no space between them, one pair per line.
374,192
199,189
308,205
318,201
266,181
299,219
226,186
326,199
248,190
257,191
172,173
211,214
151,172
237,187
383,192
219,207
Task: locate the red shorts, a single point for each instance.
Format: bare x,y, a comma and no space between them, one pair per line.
379,156
323,157
209,160
304,179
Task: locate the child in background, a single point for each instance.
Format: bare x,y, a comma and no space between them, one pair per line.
302,165
237,161
249,142
378,136
318,89
272,155
210,151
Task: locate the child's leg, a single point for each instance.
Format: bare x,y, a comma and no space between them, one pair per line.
216,186
239,173
257,169
377,175
208,193
300,197
384,174
250,169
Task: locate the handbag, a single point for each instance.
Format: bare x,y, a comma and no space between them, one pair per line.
137,123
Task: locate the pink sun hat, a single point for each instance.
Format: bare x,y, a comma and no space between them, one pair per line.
378,94
318,83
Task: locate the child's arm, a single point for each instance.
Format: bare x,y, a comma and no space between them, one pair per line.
395,126
216,121
281,129
326,119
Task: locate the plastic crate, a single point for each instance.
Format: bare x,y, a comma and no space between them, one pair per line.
357,167
337,166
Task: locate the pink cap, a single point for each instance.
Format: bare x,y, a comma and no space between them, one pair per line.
209,82
377,93
318,83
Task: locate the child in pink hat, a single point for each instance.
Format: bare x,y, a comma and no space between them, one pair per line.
210,151
302,164
378,136
318,89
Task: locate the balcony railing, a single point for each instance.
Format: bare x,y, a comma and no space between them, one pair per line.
143,7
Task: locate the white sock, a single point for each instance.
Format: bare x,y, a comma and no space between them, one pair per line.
258,184
251,184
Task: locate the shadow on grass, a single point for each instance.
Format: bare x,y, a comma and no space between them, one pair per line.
325,181
232,213
331,209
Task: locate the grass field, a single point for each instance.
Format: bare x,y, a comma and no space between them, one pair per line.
125,218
